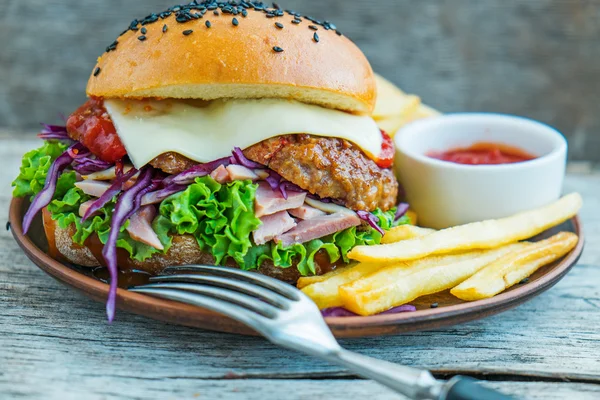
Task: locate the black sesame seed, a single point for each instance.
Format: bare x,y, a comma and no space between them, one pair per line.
216,12
277,49
338,33
296,21
235,22
208,24
97,71
434,305
244,13
279,25
188,32
141,38
316,37
314,28
8,225
270,15
524,281
165,28
276,6
144,31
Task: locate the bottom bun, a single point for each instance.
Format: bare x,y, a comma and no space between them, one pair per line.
184,251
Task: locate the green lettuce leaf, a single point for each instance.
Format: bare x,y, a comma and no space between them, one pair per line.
34,168
219,216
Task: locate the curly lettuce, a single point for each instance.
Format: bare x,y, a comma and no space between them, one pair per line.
219,216
34,168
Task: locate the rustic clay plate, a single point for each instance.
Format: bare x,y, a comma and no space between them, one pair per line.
450,310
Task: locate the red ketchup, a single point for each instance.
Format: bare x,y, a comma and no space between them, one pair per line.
483,153
386,158
91,125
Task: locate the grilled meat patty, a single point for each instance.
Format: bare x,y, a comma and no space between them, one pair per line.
330,168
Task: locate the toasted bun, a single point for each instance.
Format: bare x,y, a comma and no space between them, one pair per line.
228,61
184,251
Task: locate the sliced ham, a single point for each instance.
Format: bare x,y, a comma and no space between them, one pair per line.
306,212
93,188
220,174
269,202
240,173
140,227
273,225
318,227
85,206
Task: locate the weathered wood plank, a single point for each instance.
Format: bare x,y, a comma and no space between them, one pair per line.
129,388
53,339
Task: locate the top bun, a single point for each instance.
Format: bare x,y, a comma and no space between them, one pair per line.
230,55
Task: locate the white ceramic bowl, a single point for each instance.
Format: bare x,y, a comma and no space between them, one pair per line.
446,194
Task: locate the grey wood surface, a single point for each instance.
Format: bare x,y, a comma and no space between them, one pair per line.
55,343
538,58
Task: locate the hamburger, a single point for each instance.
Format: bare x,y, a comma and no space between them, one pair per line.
222,133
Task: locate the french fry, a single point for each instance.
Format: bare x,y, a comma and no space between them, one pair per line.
412,216
404,232
512,268
477,235
309,280
325,293
392,101
393,286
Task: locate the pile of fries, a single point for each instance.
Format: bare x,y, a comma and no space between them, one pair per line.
475,261
394,108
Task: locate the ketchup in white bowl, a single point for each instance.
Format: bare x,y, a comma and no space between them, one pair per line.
462,168
483,153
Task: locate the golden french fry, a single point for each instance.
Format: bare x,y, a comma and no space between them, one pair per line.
309,280
393,286
477,235
412,216
325,293
392,101
404,232
512,268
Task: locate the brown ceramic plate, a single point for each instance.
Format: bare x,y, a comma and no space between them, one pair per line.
450,310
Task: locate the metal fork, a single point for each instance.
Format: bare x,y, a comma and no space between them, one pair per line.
288,318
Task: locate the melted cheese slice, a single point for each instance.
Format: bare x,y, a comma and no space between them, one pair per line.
205,131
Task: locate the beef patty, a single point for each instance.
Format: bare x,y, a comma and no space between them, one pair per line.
328,167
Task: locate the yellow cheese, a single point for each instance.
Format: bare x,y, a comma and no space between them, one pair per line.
205,131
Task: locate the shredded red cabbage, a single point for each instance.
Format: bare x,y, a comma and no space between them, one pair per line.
159,195
371,220
187,177
400,309
342,312
88,165
44,197
239,158
127,204
54,132
114,189
401,211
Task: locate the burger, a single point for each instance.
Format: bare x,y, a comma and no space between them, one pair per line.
221,133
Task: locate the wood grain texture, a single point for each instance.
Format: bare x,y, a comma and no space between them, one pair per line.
55,343
537,58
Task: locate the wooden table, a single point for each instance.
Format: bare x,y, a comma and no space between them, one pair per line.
55,343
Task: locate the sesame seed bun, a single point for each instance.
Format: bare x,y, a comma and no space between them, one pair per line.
253,59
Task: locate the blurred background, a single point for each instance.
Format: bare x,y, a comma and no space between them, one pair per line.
536,58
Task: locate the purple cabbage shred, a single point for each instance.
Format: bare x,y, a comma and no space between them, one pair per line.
44,197
115,188
127,204
238,157
401,211
371,219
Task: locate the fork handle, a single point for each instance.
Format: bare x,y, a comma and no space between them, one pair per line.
412,382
